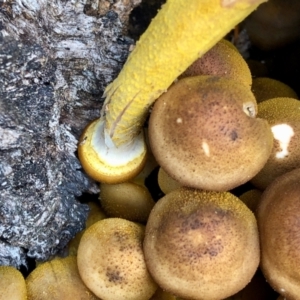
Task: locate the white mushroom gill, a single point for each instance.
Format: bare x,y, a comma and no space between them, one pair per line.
116,156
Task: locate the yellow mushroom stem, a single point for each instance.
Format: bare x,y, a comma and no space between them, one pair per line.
112,149
180,33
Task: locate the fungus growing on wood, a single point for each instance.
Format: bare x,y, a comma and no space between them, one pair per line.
150,69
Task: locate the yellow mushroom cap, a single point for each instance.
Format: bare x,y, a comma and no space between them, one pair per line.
56,280
104,162
283,115
126,200
95,214
111,261
265,88
201,245
203,133
278,223
251,198
12,284
221,60
166,183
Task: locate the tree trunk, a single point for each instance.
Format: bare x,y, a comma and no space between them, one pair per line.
56,58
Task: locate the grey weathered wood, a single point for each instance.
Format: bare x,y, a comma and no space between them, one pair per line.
56,57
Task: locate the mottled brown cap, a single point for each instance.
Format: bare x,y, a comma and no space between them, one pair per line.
203,132
111,261
201,245
279,227
222,60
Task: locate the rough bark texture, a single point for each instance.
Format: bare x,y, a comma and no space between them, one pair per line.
56,57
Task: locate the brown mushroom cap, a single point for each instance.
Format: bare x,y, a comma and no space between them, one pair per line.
222,60
56,280
126,200
283,115
201,245
279,227
12,284
204,134
111,261
265,88
274,24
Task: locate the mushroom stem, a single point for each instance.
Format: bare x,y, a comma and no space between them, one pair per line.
179,34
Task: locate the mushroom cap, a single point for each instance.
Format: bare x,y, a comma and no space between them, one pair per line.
160,294
265,88
257,289
107,163
283,115
111,261
200,244
251,198
222,60
57,279
257,68
274,24
95,214
12,284
126,200
279,227
203,133
166,183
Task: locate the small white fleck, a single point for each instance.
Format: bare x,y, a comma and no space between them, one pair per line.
205,148
178,120
283,133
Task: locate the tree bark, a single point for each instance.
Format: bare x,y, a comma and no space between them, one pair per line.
56,58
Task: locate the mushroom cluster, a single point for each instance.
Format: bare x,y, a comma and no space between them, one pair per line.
212,129
208,136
